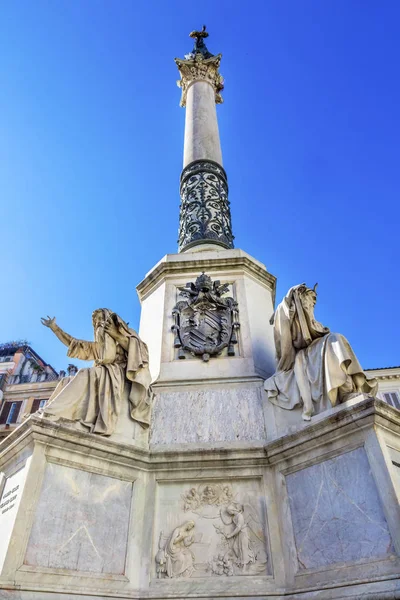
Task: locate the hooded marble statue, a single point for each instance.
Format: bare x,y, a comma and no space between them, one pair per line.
314,365
95,395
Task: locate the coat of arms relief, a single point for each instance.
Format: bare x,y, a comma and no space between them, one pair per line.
206,320
219,532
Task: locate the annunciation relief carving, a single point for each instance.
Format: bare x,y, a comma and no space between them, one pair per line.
224,536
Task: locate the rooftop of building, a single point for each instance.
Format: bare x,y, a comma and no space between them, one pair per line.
12,347
382,368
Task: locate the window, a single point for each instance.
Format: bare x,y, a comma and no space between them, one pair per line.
36,404
13,414
392,398
4,412
10,412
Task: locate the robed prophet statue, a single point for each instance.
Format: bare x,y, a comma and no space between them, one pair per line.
315,367
94,397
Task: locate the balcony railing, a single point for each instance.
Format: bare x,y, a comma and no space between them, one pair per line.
32,378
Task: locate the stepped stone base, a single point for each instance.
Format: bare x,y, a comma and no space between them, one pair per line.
83,517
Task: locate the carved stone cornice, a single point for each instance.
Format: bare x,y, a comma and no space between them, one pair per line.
332,424
178,264
384,373
198,68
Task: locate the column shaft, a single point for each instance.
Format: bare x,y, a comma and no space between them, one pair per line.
201,125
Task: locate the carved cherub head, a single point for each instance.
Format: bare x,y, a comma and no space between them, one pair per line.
209,492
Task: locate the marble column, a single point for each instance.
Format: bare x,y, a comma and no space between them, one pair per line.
205,219
201,125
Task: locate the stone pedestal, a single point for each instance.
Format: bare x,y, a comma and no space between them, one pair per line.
84,517
221,399
251,286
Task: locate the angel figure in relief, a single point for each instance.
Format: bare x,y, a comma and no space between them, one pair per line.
237,538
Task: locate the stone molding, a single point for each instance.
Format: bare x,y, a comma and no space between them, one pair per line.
199,68
226,260
386,373
351,415
42,430
31,388
171,385
324,427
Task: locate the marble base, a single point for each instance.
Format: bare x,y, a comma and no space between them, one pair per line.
201,414
252,287
311,514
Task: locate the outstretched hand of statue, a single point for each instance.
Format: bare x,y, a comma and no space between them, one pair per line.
49,322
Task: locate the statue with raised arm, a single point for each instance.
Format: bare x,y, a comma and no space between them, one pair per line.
120,373
315,367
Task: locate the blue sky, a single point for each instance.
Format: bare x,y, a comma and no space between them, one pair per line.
91,149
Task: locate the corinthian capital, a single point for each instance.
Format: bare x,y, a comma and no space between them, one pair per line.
197,68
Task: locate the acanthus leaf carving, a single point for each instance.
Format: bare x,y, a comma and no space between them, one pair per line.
198,68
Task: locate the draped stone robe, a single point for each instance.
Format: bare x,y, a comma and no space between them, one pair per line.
95,395
179,558
314,366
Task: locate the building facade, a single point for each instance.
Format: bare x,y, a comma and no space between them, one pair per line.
26,383
388,384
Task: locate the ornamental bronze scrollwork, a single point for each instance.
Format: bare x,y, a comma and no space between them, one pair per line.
205,214
205,322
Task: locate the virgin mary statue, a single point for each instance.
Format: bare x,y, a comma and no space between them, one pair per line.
120,374
315,366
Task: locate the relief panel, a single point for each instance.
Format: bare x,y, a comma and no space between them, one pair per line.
210,529
336,512
220,414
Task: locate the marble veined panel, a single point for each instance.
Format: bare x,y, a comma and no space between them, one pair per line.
336,512
231,414
81,522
